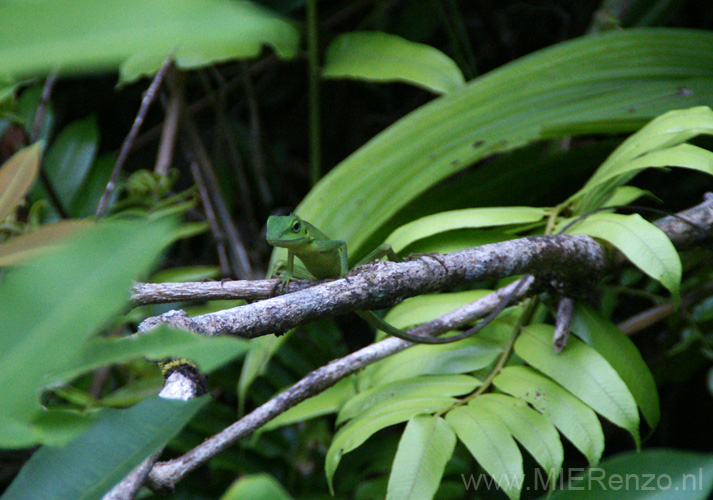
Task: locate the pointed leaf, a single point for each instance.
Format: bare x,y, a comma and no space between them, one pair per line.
462,219
663,132
584,372
621,353
424,449
645,245
353,434
423,386
536,434
376,56
17,175
491,444
70,157
575,420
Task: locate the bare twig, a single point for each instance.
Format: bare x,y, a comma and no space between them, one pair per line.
146,101
35,135
164,158
212,222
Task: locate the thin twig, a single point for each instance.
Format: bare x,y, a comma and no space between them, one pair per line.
164,157
236,249
35,134
563,323
256,137
212,222
146,101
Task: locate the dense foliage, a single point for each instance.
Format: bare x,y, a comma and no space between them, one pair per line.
432,125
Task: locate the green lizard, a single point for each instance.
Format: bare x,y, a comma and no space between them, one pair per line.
326,258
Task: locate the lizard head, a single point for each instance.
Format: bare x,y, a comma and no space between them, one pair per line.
286,231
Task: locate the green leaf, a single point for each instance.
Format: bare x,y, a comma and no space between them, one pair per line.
34,243
575,420
638,152
536,434
461,219
491,444
431,385
85,283
621,353
533,98
136,34
358,430
645,245
382,57
324,403
70,156
460,357
424,449
582,371
117,442
86,199
17,175
256,487
623,195
651,474
208,353
260,351
423,308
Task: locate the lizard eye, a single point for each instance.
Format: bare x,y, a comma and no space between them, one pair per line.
296,226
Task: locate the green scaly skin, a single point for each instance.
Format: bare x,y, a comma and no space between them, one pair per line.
326,258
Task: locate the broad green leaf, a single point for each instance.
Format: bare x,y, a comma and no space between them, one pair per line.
376,56
85,283
423,386
536,434
34,243
208,353
17,175
82,36
491,444
621,353
424,449
460,357
358,430
462,219
69,157
584,372
645,245
575,420
452,241
93,463
656,474
533,98
324,403
256,487
423,308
